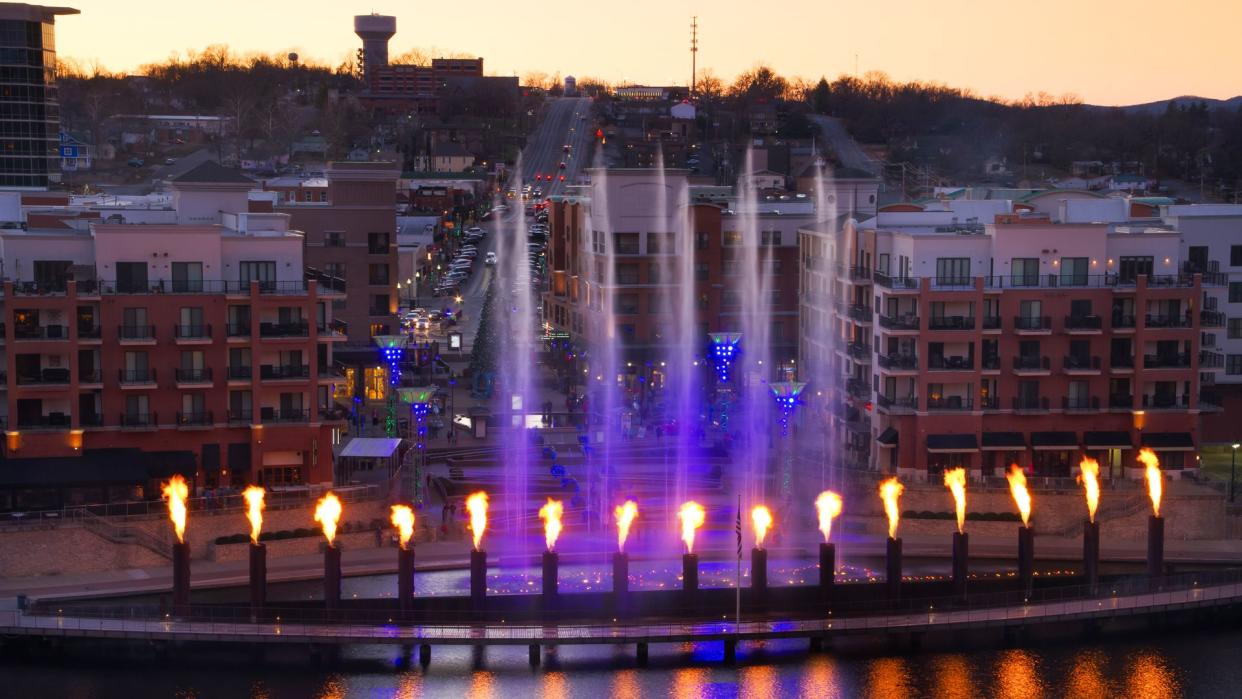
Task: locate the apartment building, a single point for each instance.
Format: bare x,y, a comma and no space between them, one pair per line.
978,334
648,265
133,351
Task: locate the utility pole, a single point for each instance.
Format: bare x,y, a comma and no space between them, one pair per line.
694,52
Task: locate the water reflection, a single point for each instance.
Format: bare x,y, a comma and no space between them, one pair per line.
1017,676
333,688
689,683
889,678
759,681
625,685
820,678
408,686
482,684
953,678
1150,677
555,686
1087,676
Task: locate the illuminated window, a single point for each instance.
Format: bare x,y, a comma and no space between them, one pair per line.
376,382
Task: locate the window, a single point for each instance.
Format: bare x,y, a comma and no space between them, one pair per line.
334,269
1074,271
701,271
661,244
1235,255
1233,364
625,243
262,271
953,271
770,238
700,241
377,274
1132,267
730,298
1078,394
627,304
1233,329
1030,309
136,407
1024,271
627,274
379,305
597,242
731,238
1235,292
187,277
52,274
882,262
334,239
377,243
131,277
1080,308
239,405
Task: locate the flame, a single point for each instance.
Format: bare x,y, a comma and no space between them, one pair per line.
1155,478
1089,476
692,517
403,520
890,492
955,481
328,513
476,505
761,517
828,504
551,513
176,492
626,514
1021,496
254,510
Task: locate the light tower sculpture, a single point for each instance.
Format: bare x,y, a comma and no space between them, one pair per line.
419,400
787,394
392,350
725,349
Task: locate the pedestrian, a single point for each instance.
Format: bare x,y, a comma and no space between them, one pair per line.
444,514
379,538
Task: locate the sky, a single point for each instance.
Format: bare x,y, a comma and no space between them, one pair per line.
1105,53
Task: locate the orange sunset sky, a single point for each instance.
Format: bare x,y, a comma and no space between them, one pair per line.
1106,53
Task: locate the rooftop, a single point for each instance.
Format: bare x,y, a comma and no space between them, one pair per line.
211,172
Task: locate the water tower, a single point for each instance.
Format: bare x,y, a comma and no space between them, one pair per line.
375,31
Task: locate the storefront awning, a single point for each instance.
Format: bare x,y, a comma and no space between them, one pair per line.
948,443
1107,440
887,438
1168,441
370,447
1054,441
1003,441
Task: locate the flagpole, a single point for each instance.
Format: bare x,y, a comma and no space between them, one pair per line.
739,563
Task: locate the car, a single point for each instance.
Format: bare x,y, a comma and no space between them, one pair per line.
565,148
422,324
169,161
562,178
562,165
135,162
490,260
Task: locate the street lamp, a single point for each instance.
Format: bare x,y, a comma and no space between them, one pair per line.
1233,469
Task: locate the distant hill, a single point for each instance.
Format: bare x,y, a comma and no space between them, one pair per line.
1160,106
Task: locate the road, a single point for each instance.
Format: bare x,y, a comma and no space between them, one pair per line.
844,145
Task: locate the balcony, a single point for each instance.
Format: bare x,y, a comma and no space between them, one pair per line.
334,328
91,420
136,333
1165,402
293,329
89,332
1155,320
240,373
953,363
51,421
1032,324
1123,322
192,332
990,363
88,378
45,377
950,404
237,329
138,420
950,283
270,415
1085,364
40,332
1211,360
295,287
1166,361
1080,403
1210,401
857,273
896,405
951,323
1211,319
1029,404
281,372
1120,401
1031,363
904,322
1123,362
241,416
858,352
193,376
331,371
989,403
895,283
1083,323
991,323
899,362
200,418
862,314
129,377
858,388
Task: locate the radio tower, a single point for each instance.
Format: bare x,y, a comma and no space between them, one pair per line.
694,52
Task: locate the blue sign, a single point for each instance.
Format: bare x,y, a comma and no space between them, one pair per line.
68,151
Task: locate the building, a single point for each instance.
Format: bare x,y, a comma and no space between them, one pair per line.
649,268
30,126
977,336
351,235
135,350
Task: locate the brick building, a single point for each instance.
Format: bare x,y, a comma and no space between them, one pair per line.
132,351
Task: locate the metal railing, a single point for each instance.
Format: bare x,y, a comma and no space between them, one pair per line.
1076,363
1088,322
40,332
193,375
905,322
291,371
1166,361
951,323
951,403
196,418
135,332
1157,320
1032,323
1031,363
192,332
898,361
292,329
136,375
